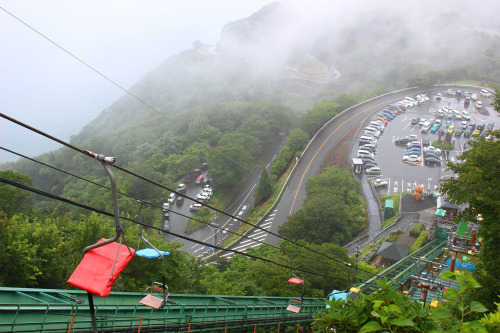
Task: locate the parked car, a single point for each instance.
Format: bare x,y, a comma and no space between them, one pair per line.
196,172
414,144
457,114
380,182
181,190
202,196
372,171
439,96
426,127
166,206
179,201
465,115
181,185
208,191
412,158
195,206
413,150
369,147
403,140
451,129
485,93
204,166
488,129
415,121
440,113
451,92
432,161
171,198
199,180
479,104
435,127
432,154
469,130
432,148
369,165
459,131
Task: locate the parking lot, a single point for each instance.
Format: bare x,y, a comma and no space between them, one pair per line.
404,176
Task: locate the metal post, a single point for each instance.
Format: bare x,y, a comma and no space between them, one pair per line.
453,259
92,311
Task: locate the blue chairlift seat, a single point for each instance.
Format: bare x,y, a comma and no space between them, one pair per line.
150,253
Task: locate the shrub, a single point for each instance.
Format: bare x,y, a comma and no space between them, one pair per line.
419,242
415,232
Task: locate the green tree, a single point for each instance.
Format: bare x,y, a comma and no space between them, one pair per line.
12,199
478,184
333,211
264,189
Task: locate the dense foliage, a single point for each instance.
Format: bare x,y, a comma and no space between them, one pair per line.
42,252
333,211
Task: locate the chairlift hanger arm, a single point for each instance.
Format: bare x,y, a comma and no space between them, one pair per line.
106,162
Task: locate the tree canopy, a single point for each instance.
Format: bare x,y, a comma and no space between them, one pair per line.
333,211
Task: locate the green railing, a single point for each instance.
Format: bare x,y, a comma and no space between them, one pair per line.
27,310
400,271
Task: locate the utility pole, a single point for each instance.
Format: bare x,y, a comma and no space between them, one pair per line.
358,252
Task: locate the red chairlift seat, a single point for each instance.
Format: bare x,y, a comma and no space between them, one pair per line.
295,304
295,280
98,271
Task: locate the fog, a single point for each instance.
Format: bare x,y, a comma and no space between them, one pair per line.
44,86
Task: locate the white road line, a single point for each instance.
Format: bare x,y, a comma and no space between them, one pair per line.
259,237
266,224
246,241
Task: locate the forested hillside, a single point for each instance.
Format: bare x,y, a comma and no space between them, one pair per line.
226,105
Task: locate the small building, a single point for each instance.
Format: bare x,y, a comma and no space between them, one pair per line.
357,165
388,209
392,253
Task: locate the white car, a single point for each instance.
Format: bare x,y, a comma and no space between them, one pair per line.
465,115
446,109
196,206
479,104
412,158
166,206
485,93
171,197
203,196
380,182
451,92
208,191
432,148
422,121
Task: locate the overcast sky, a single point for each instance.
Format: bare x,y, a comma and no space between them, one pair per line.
43,86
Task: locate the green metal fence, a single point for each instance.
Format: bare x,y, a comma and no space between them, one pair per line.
400,271
25,310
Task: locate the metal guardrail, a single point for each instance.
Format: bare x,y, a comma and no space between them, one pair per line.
24,310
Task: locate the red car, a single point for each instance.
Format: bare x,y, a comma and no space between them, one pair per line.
199,180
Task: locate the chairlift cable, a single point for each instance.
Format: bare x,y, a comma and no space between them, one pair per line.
137,199
71,202
90,154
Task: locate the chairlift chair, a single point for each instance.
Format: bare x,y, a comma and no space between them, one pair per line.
152,252
296,304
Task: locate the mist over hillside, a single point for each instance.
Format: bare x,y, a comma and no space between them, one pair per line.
338,47
295,53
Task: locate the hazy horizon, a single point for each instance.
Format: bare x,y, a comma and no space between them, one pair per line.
49,89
